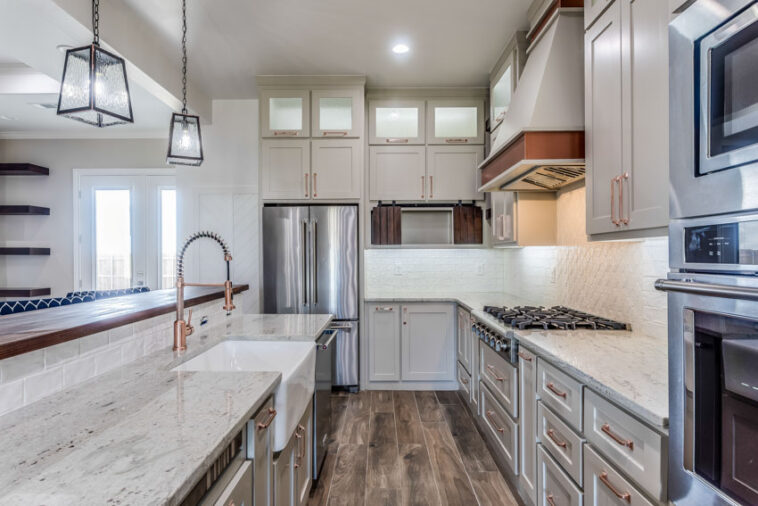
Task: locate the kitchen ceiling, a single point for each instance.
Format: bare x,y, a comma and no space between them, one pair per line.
452,43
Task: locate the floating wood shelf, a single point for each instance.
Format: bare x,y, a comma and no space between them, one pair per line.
24,292
24,251
23,169
24,210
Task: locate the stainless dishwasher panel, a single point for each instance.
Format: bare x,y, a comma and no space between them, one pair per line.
322,404
345,368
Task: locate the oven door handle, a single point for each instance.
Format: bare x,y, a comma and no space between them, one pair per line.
708,289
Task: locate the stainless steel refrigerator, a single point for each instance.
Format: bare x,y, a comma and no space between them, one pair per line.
310,265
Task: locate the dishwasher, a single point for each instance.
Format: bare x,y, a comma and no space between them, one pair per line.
322,404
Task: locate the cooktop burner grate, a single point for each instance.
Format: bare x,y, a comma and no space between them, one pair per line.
555,318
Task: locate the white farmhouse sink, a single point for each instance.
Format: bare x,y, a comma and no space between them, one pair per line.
295,360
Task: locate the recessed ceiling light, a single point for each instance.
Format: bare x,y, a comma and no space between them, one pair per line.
400,49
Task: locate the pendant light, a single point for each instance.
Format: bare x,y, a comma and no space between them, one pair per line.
94,88
185,146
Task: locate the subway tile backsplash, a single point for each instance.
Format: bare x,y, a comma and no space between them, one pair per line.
32,376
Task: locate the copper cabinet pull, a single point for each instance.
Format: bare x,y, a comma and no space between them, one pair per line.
431,187
271,416
285,133
551,435
625,496
383,309
493,372
464,381
624,221
550,500
423,185
396,141
551,387
315,184
489,417
614,220
525,356
456,141
342,134
300,438
306,185
623,442
500,117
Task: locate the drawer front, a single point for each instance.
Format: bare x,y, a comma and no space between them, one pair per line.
603,485
558,439
554,487
630,445
500,426
464,380
501,377
561,393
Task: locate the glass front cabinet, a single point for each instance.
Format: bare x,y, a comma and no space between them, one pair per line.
455,121
399,122
285,113
337,113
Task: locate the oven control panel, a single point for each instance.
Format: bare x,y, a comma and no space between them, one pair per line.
733,243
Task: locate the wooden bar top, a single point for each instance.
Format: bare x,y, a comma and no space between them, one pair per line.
33,330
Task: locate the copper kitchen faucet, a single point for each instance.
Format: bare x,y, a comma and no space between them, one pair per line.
183,329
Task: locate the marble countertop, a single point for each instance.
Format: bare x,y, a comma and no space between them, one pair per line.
629,368
140,434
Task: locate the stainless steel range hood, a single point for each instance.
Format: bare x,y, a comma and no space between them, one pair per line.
540,143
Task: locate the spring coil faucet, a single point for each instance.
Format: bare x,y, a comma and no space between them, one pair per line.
183,329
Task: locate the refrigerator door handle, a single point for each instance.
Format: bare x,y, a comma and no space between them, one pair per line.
305,264
314,261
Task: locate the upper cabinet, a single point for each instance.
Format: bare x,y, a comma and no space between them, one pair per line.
626,118
337,113
504,78
593,9
453,173
285,113
396,122
455,121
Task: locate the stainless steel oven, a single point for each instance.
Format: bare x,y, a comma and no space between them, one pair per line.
714,108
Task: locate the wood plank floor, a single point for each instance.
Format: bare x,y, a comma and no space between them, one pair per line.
407,448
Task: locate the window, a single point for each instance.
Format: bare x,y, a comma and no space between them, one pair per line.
127,225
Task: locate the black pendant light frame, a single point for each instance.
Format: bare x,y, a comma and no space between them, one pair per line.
93,49
184,117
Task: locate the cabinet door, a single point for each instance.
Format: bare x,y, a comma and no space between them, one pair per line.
593,9
282,471
285,169
337,113
501,90
453,173
603,120
474,400
336,169
645,188
383,342
503,218
303,460
396,122
428,342
455,121
259,449
463,344
528,420
604,486
397,173
285,113
467,225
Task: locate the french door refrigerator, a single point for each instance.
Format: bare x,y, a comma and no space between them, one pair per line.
310,266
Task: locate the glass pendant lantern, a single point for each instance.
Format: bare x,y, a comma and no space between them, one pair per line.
94,88
185,144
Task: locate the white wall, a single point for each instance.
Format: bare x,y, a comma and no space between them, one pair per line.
56,192
222,195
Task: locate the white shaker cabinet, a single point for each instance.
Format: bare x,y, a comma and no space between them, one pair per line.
463,341
336,168
397,173
285,169
452,172
528,421
593,9
428,336
285,113
398,122
455,121
337,113
383,342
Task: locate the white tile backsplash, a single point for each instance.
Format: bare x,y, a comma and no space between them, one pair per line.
43,384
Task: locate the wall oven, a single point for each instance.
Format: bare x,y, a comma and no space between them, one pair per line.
714,108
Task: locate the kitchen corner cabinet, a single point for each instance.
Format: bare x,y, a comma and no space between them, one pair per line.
428,338
397,122
285,113
336,168
397,173
455,121
337,113
626,118
453,172
383,342
285,169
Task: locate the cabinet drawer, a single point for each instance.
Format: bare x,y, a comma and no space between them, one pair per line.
501,377
630,445
500,426
464,380
604,485
554,487
560,441
561,393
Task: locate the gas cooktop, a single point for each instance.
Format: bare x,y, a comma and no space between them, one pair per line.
555,318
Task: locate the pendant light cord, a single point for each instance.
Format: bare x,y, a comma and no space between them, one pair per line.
184,56
96,21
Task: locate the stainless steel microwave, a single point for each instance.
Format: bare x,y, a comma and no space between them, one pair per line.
714,108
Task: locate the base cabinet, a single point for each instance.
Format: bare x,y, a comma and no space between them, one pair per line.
260,450
555,486
292,469
383,342
528,421
282,471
